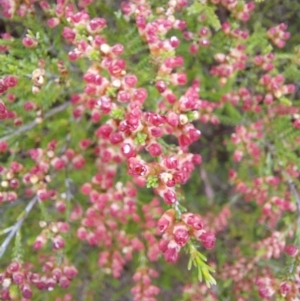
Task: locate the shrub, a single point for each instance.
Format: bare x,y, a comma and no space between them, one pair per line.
149,151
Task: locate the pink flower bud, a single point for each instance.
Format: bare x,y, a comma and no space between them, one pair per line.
291,88
116,67
29,106
173,119
18,278
193,49
58,242
130,80
174,42
137,167
64,282
179,24
226,27
172,252
78,112
60,206
204,42
115,138
68,34
86,188
250,6
291,250
13,267
96,25
154,149
193,220
268,99
123,96
156,132
178,79
82,233
26,291
58,163
89,78
53,22
208,240
265,292
181,234
140,95
166,220
128,150
29,42
238,155
170,197
170,97
117,49
57,273
70,272
296,124
104,131
3,89
285,288
10,81
3,146
197,159
161,86
39,243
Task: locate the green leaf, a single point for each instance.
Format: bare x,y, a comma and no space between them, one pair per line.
209,11
117,114
198,260
152,182
212,18
190,264
285,101
140,138
195,8
227,282
200,278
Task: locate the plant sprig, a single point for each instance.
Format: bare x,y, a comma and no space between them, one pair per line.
198,260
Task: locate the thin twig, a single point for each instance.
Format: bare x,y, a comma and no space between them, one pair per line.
15,228
69,194
297,197
207,186
29,126
6,230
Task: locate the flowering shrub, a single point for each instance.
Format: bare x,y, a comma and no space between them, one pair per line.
149,151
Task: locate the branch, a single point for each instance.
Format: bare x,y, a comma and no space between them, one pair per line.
207,186
6,230
29,126
15,228
296,196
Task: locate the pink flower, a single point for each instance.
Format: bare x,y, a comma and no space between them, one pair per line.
291,250
181,234
10,81
172,252
29,42
208,240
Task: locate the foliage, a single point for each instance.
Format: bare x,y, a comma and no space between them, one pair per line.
149,150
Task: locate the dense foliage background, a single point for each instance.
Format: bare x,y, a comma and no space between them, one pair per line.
149,150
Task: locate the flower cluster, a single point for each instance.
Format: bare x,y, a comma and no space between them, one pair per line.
22,276
10,181
108,149
176,233
229,63
7,82
279,35
275,87
143,289
240,12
